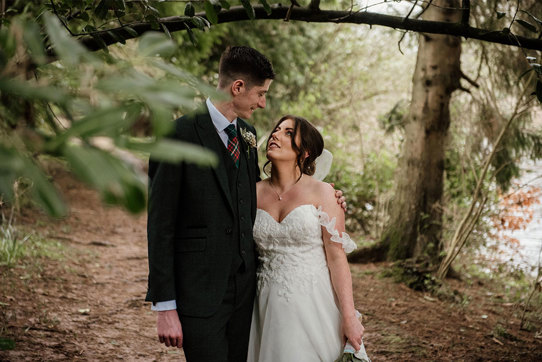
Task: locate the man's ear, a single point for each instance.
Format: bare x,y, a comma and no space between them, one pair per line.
306,154
237,86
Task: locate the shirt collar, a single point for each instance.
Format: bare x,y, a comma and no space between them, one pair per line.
220,122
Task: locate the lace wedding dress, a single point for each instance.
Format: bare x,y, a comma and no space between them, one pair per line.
296,317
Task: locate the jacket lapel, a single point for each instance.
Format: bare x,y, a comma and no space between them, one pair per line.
209,138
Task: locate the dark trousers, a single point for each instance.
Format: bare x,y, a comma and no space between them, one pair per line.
224,336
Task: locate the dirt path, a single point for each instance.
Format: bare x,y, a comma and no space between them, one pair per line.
88,305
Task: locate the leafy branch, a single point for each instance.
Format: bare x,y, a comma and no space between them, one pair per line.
95,40
470,219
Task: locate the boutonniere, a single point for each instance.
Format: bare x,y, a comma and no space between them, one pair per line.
250,140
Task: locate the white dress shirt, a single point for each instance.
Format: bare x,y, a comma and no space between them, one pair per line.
220,122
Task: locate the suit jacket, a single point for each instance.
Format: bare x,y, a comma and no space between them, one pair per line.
190,222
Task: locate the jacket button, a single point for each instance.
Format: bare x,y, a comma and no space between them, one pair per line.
228,230
243,252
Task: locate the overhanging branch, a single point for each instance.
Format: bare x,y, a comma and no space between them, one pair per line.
237,13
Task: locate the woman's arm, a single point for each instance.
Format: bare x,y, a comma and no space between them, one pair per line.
341,278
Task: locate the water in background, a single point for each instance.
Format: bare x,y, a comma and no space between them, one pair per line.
530,239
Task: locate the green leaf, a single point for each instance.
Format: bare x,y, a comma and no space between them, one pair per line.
14,165
191,35
8,45
118,38
103,122
224,4
189,10
115,180
166,30
527,25
102,9
133,33
34,41
210,12
539,90
120,5
154,43
67,48
100,42
83,15
193,81
43,192
29,90
168,150
154,20
532,17
266,6
199,22
249,9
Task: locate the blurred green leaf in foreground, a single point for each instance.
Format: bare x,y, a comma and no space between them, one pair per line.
84,108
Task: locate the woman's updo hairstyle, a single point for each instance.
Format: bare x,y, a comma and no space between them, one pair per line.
311,142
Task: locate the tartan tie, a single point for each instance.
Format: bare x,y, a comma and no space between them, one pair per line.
233,144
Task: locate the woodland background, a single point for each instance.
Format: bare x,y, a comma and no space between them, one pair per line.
430,108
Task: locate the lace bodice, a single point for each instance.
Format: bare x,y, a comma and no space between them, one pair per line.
291,253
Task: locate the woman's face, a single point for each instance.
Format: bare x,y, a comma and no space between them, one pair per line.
279,146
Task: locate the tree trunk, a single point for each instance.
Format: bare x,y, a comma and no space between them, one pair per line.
415,226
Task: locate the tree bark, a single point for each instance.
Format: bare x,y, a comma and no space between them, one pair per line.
415,226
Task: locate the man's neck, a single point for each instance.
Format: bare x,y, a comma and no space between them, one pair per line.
226,108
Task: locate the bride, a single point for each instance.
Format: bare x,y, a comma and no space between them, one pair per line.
304,309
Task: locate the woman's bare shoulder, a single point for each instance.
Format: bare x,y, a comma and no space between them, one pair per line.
322,192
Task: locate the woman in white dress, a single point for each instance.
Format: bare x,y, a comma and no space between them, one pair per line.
304,308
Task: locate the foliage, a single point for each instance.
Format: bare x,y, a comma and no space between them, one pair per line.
64,108
515,211
366,189
11,244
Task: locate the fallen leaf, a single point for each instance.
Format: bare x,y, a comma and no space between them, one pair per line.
84,311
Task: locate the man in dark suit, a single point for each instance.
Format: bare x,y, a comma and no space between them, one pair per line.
202,262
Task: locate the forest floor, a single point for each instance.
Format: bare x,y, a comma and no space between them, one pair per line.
84,300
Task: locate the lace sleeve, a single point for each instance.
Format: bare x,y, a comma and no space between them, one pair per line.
347,243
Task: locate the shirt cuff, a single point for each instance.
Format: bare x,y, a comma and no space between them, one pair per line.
163,306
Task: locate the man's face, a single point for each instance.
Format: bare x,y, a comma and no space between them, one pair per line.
249,99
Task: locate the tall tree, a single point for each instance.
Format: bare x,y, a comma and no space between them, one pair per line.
414,228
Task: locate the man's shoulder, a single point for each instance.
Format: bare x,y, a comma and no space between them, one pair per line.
187,122
244,124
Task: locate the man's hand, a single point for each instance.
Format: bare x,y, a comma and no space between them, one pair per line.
341,200
169,328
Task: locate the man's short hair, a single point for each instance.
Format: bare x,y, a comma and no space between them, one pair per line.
241,62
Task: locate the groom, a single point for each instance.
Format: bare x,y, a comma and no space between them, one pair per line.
202,262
